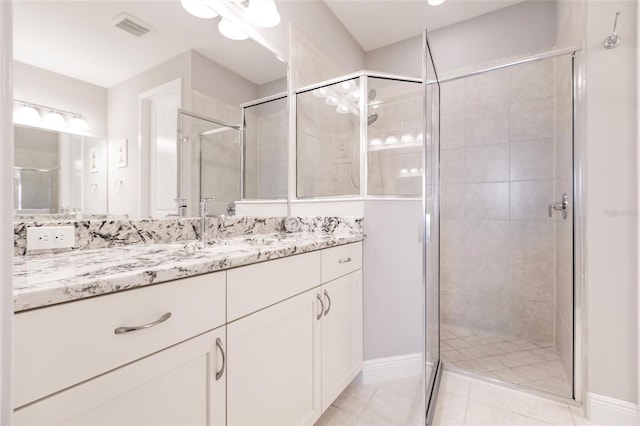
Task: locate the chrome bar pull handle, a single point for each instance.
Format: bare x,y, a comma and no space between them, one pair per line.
321,306
326,294
224,359
345,260
562,206
122,330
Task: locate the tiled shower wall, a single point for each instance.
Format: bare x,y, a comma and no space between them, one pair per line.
497,174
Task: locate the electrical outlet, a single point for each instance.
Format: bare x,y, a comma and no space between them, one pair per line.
50,237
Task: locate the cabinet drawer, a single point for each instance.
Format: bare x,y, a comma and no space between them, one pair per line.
251,288
62,345
341,260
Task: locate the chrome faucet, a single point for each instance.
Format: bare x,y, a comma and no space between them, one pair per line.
204,212
182,207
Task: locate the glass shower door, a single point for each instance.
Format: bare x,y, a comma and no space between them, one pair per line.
431,247
210,159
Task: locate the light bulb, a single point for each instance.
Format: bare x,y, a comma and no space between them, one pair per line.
406,138
390,140
55,119
435,2
79,123
331,101
346,85
231,30
404,171
419,137
375,142
356,94
263,13
414,170
342,109
198,8
320,93
28,114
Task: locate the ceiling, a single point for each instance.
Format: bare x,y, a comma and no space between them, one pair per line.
79,39
378,23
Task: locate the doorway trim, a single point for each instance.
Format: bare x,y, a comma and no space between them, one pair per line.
144,134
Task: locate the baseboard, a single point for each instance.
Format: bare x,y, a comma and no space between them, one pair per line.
610,411
391,368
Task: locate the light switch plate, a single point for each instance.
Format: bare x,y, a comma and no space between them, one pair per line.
50,237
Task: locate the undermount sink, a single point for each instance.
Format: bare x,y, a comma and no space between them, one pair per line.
224,245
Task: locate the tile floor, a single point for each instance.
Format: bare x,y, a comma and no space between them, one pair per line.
461,401
398,402
466,401
509,359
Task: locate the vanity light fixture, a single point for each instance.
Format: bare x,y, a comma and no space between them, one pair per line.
342,109
79,123
330,100
29,114
234,14
199,9
231,31
435,2
54,118
263,13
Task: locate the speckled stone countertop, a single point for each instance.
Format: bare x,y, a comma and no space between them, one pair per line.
43,280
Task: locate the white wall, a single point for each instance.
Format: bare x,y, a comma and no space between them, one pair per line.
392,268
220,83
612,195
272,88
322,27
513,31
6,213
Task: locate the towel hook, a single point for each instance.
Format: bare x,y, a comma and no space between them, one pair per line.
614,39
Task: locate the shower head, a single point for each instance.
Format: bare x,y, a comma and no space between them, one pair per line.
372,118
371,95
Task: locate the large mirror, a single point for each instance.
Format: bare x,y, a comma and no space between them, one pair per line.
162,93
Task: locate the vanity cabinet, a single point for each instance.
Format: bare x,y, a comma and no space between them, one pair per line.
274,364
272,343
181,385
289,361
341,335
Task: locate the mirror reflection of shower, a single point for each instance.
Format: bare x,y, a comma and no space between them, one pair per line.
209,163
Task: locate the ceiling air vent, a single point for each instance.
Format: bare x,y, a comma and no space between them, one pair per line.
132,25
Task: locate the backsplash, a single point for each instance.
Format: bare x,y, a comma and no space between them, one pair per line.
93,234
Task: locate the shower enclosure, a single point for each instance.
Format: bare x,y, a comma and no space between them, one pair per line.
210,152
506,165
265,136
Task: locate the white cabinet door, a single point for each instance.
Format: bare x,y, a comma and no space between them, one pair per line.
176,386
274,364
341,335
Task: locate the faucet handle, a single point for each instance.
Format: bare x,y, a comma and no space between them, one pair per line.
204,205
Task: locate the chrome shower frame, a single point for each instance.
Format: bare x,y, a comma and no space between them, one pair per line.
363,194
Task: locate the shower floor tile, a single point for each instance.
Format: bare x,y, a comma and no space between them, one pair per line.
505,358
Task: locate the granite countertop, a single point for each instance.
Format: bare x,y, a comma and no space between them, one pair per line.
49,279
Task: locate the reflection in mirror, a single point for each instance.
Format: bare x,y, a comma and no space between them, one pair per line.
328,132
115,79
215,173
58,173
266,130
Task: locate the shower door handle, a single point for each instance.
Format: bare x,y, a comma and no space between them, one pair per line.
562,206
